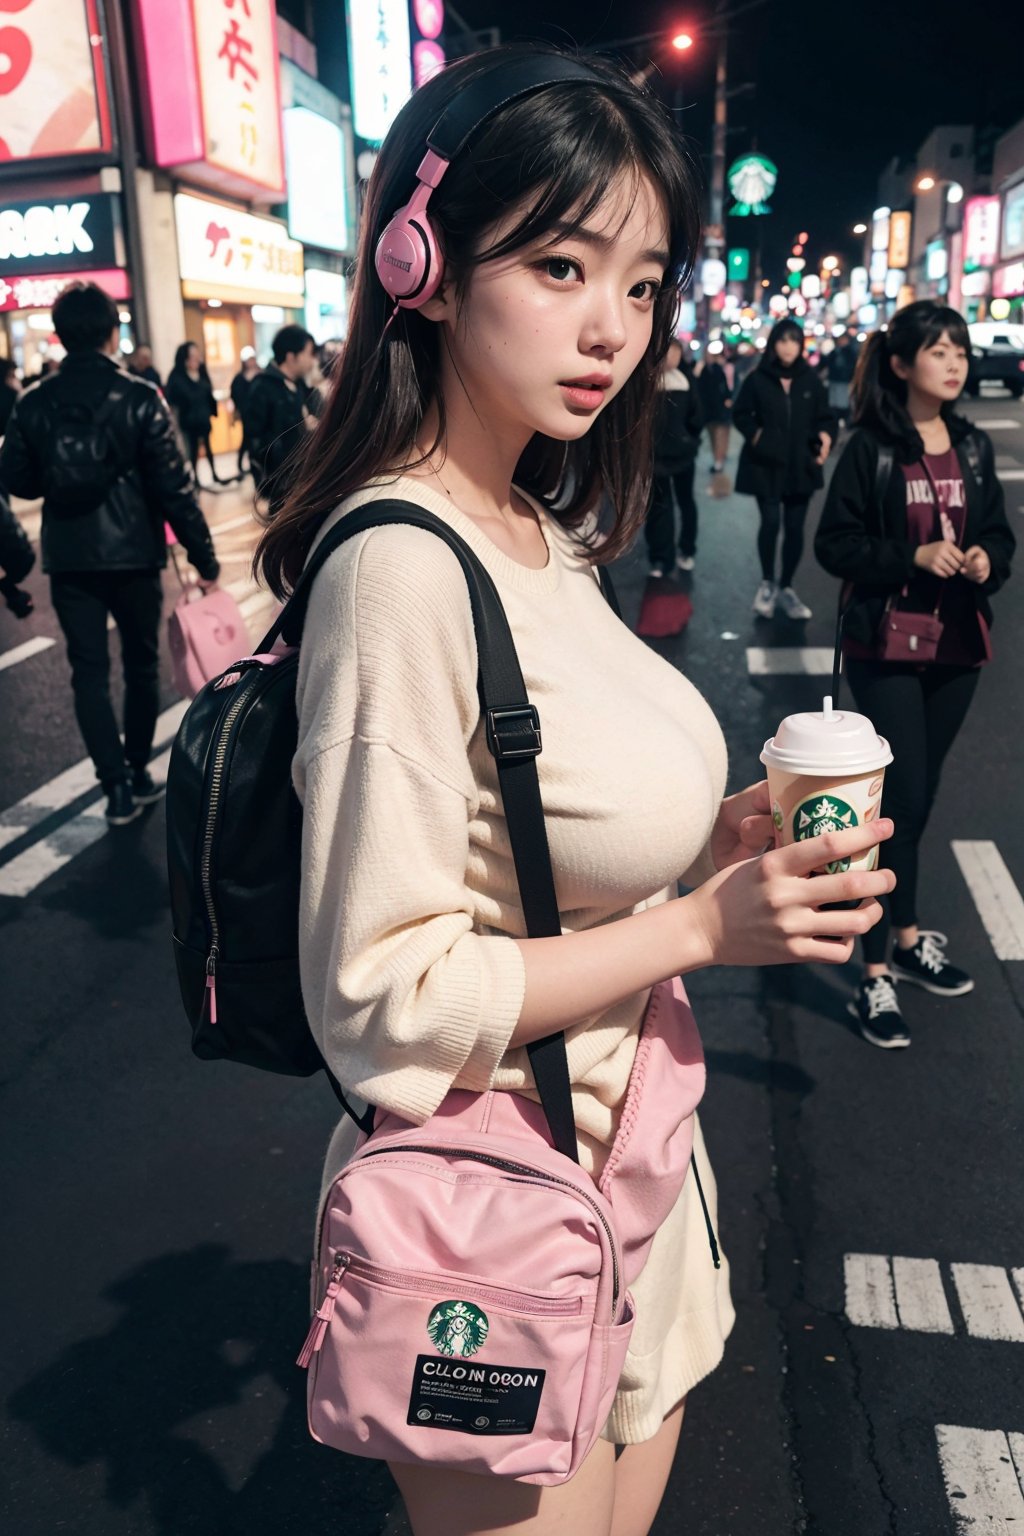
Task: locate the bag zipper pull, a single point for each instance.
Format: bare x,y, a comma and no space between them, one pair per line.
323,1314
211,983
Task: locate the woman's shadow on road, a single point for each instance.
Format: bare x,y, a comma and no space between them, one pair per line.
199,1363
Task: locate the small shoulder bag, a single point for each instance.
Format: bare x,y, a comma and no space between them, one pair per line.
904,636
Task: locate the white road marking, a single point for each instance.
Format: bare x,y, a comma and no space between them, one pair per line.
1002,425
870,1302
23,874
999,902
1010,474
23,652
988,1303
234,522
78,780
920,1297
982,1483
787,660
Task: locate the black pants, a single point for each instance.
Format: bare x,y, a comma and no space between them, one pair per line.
243,453
788,513
919,710
195,441
82,600
660,528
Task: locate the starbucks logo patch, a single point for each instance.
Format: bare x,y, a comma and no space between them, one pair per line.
829,814
457,1328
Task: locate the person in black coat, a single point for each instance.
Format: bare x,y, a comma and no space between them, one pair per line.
280,414
10,389
678,425
140,363
99,446
914,520
715,393
190,395
784,416
241,388
17,558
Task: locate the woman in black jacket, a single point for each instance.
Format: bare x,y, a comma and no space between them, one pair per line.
914,521
190,394
783,413
677,430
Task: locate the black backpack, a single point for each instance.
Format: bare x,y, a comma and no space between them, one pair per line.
234,820
83,459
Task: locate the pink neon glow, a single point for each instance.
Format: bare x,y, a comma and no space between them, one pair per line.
167,44
429,16
427,59
41,290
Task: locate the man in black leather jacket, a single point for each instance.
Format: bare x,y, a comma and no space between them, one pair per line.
278,416
99,447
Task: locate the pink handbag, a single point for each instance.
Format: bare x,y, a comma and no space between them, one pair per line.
206,633
472,1281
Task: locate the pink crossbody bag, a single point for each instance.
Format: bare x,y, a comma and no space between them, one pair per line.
471,1287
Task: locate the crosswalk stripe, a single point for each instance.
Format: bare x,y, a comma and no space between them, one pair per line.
982,1482
999,902
920,1297
787,660
1010,474
77,780
870,1302
24,651
23,874
987,1302
999,426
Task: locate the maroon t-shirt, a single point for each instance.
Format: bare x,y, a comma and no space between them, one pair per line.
964,641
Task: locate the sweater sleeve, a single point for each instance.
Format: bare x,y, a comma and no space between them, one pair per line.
405,999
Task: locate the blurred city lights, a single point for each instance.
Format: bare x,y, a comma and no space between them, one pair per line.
682,40
925,184
860,229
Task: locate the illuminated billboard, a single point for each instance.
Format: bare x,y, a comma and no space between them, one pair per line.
380,64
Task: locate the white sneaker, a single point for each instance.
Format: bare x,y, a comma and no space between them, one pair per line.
658,572
685,562
764,599
792,606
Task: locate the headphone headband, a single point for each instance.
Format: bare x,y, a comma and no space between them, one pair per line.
409,260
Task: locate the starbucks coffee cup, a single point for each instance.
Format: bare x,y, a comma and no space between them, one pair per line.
825,774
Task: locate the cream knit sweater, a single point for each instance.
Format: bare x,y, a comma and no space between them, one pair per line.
409,907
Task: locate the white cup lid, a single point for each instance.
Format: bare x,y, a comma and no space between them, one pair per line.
827,741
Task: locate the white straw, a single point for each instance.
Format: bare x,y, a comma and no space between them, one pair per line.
828,707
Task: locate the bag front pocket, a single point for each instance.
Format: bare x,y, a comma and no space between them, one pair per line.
408,1366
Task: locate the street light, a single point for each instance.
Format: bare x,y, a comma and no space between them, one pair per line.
830,263
682,41
860,229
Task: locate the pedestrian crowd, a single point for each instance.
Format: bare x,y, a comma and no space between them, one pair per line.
482,951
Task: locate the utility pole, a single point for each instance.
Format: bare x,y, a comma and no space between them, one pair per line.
716,222
128,162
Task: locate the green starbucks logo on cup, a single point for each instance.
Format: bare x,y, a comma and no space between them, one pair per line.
457,1328
829,814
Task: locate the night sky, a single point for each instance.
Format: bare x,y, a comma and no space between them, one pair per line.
840,89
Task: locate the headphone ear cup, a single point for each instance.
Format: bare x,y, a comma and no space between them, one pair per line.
408,260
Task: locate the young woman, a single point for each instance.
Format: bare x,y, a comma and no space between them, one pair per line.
784,415
714,386
928,535
509,404
190,394
677,430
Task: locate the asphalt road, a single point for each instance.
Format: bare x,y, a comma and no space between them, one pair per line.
158,1211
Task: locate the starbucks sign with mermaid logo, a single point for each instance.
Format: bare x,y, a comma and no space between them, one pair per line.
820,814
457,1328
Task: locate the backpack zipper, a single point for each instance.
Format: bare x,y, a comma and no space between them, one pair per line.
426,1285
206,858
521,1169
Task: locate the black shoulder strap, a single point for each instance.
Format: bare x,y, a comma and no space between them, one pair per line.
514,737
972,453
883,474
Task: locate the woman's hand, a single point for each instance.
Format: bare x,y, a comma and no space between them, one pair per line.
940,559
977,566
767,910
744,826
824,447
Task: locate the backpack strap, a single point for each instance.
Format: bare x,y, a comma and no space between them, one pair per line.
514,738
972,453
883,474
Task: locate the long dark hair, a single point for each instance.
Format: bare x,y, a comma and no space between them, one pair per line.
554,154
770,361
181,356
879,398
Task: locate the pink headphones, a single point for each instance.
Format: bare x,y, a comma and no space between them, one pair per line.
409,259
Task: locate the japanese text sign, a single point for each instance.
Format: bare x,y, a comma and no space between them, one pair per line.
224,253
53,92
380,64
236,49
981,232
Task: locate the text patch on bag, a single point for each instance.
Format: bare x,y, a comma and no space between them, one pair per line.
473,1398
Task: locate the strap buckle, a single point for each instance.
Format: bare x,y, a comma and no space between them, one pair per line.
509,732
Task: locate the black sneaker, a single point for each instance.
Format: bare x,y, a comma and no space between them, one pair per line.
926,966
144,790
121,805
878,1013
